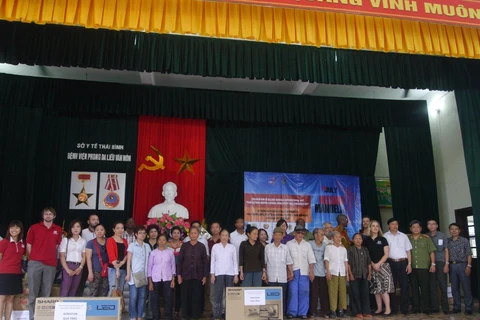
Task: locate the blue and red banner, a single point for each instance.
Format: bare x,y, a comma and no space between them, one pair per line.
316,198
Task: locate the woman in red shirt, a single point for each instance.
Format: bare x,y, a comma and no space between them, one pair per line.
12,250
117,258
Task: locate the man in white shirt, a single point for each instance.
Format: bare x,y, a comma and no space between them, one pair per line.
277,256
400,260
303,261
239,235
201,238
89,233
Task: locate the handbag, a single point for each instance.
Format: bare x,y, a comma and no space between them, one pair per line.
104,265
117,293
59,271
139,278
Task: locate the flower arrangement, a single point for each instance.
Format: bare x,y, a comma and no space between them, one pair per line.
166,222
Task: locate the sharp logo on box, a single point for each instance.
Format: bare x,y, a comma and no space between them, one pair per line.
273,294
106,307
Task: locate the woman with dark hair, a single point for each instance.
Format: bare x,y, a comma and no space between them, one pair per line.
96,256
117,258
282,223
364,230
152,232
72,258
175,243
263,236
192,273
252,260
12,250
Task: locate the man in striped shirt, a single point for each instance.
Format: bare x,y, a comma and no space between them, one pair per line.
278,263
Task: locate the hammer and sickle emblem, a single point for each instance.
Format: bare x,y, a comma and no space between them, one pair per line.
158,164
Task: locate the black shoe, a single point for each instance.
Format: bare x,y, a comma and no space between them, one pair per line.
414,311
341,314
446,312
406,313
435,311
388,314
468,313
427,313
289,316
332,315
454,311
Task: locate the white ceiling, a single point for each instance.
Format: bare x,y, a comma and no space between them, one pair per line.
198,82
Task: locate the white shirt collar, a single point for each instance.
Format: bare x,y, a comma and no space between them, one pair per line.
11,239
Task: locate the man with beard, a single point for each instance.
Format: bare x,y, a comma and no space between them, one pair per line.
87,234
328,230
43,239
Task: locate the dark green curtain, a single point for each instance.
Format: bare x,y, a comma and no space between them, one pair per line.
20,129
412,172
35,172
468,102
53,45
233,149
80,98
59,136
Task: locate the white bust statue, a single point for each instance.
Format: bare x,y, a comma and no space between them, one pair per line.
169,205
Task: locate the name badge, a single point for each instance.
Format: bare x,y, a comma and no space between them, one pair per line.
440,242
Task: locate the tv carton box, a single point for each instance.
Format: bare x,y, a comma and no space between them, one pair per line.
97,308
259,303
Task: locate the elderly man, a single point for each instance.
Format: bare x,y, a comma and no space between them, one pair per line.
303,261
318,287
277,256
169,205
328,231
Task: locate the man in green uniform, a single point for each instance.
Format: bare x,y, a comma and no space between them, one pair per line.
423,262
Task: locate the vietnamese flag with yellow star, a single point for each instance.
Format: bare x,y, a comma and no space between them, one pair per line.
170,149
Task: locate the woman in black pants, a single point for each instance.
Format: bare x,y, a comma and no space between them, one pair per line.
192,273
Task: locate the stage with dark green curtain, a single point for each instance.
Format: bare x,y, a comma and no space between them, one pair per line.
245,132
78,47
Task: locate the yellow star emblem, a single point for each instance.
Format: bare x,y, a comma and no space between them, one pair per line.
186,163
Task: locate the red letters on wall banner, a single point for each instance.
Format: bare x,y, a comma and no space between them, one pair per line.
457,12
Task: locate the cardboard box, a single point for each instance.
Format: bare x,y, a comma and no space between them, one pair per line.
20,302
97,308
259,303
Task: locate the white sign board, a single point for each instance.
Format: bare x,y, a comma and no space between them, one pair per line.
254,297
70,310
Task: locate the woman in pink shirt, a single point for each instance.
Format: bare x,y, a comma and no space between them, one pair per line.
161,277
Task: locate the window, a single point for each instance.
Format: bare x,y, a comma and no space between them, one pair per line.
471,236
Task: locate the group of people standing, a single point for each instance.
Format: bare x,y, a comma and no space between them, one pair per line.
310,267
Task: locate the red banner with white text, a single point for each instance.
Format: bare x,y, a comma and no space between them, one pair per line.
457,12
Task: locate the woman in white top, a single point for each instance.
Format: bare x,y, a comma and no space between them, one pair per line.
336,266
223,270
72,258
137,265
